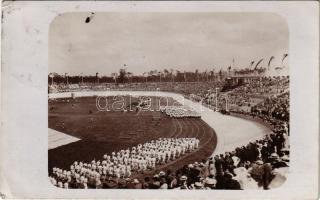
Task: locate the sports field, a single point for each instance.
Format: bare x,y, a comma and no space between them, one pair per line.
104,131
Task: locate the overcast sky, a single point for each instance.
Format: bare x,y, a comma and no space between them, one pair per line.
147,41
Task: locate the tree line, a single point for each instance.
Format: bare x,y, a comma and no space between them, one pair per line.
123,76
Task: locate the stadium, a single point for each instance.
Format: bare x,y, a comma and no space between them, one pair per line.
92,124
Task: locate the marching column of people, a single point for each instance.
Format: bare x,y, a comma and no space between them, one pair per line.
179,112
121,165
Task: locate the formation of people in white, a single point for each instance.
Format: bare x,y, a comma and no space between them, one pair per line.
121,164
179,112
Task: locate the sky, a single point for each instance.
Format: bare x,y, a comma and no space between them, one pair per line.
157,41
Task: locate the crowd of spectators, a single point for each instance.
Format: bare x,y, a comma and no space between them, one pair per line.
276,107
249,94
264,86
185,88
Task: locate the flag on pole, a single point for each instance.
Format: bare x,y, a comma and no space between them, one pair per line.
284,56
271,58
251,64
258,63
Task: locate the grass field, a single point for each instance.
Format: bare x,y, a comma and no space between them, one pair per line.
106,131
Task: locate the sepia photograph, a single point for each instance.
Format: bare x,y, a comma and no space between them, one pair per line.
170,100
159,100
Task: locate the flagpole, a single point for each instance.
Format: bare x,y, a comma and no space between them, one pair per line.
216,98
81,78
233,63
66,75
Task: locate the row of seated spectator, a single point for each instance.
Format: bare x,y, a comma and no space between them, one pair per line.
277,107
243,96
249,95
199,88
264,86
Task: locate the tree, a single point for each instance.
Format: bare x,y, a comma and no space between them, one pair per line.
160,74
150,74
197,74
206,75
220,74
165,73
97,77
122,75
171,74
145,74
129,75
178,76
212,74
114,75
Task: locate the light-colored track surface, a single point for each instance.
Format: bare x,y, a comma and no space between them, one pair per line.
57,139
231,131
